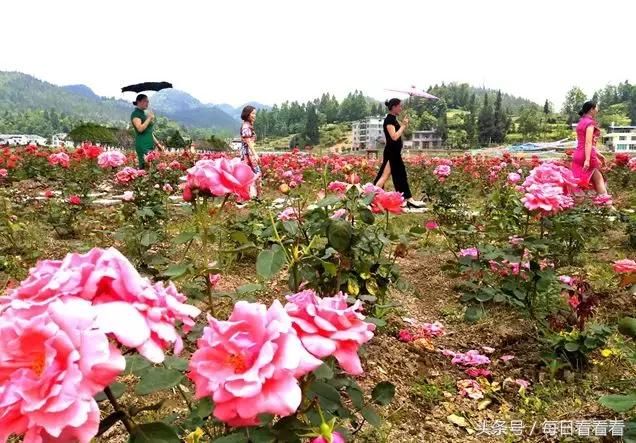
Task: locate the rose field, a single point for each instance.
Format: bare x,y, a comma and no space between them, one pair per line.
162,305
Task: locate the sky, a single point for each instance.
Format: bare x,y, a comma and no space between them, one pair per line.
277,50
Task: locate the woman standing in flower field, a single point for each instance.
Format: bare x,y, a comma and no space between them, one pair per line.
586,160
143,123
392,163
248,139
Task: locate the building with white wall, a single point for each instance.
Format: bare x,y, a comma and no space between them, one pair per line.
621,138
426,140
367,133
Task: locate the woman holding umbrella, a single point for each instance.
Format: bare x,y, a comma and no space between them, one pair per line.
392,163
143,123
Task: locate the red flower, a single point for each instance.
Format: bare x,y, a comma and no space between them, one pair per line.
74,200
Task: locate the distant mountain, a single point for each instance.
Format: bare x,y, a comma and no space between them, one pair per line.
173,100
20,93
236,112
82,90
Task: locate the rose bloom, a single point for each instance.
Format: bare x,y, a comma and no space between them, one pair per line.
168,188
74,200
221,177
250,364
469,252
431,225
387,202
111,159
128,196
442,171
339,214
288,214
52,364
116,290
61,158
513,178
336,437
603,200
329,326
338,187
4,173
128,174
624,266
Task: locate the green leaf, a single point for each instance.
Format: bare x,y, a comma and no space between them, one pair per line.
371,415
339,234
366,216
176,270
156,432
149,238
484,296
262,435
330,200
619,403
356,396
180,364
571,346
249,288
473,314
136,364
270,261
184,237
157,379
330,268
235,437
117,389
323,372
376,321
203,408
383,393
328,396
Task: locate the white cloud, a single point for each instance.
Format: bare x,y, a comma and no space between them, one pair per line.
271,51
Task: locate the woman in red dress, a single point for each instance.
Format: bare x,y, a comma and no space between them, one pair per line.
586,160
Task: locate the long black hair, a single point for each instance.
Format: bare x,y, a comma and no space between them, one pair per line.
392,103
587,107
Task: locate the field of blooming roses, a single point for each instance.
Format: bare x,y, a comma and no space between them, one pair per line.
162,305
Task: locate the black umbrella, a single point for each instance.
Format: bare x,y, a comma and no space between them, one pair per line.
148,86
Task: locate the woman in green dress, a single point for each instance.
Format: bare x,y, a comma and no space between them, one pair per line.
143,123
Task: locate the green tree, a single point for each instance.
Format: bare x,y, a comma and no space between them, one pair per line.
574,100
529,121
93,133
547,107
442,119
176,140
500,121
486,122
470,122
311,131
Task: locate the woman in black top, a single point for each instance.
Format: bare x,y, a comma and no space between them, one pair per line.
392,163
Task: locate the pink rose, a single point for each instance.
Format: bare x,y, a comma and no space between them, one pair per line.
110,282
338,187
431,225
52,364
336,437
221,177
111,159
624,266
329,326
249,364
288,214
128,196
506,358
214,280
61,158
129,174
442,171
513,178
75,200
478,372
167,188
152,156
387,202
469,252
4,173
